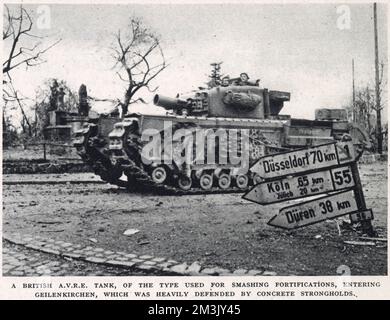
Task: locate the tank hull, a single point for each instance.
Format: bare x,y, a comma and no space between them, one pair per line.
123,154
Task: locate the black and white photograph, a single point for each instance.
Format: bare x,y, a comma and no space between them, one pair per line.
195,139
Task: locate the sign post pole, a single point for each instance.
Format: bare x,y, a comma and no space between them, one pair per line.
361,202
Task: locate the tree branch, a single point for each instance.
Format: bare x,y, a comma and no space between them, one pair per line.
18,27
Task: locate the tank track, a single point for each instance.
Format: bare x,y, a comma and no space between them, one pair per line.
136,172
89,147
147,184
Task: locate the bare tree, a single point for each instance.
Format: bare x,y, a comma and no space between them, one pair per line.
17,27
138,60
16,39
364,106
365,110
16,97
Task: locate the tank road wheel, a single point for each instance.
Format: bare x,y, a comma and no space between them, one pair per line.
224,181
206,181
242,181
159,174
184,183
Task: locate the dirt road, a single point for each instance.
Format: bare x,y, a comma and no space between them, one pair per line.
215,230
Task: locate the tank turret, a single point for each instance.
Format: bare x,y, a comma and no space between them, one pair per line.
233,101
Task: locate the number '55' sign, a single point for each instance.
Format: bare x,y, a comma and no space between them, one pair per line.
342,178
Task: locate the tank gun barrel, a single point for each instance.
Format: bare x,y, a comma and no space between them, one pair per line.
168,102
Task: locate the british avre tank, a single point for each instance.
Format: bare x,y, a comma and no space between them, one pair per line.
206,141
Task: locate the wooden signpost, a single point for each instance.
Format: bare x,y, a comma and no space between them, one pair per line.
300,186
314,211
330,168
304,160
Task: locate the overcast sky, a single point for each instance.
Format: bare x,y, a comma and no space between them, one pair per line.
291,47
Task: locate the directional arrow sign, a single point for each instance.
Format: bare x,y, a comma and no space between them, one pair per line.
299,161
301,186
314,211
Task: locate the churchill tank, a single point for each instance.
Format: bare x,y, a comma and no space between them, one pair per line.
206,141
